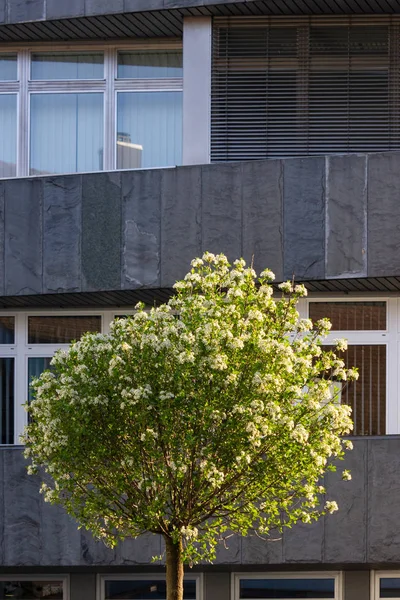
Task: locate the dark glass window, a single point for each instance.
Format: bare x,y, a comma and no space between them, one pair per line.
145,589
7,333
71,65
6,403
389,587
351,316
287,588
150,64
31,590
60,330
8,67
36,366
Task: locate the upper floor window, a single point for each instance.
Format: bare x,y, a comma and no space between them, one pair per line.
147,587
90,110
303,87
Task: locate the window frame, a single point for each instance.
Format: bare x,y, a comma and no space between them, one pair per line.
38,577
336,575
109,86
101,579
376,576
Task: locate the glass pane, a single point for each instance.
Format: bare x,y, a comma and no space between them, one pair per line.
66,133
6,402
60,330
36,366
8,67
145,590
7,325
367,395
8,137
31,590
150,64
287,588
389,587
351,316
60,65
149,129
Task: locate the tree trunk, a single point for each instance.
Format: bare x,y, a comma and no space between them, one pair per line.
174,569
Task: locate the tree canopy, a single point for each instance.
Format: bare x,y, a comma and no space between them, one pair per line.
213,413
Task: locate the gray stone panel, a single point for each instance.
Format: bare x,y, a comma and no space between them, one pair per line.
304,543
383,214
139,551
262,187
222,209
383,501
263,551
82,586
3,11
62,204
26,10
180,222
59,9
231,552
2,239
346,216
101,231
217,585
22,513
142,5
102,7
23,237
141,218
346,530
357,585
304,218
62,537
95,552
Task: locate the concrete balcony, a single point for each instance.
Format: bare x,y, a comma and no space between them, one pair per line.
364,532
318,219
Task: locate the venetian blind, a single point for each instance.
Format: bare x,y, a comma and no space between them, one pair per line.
304,86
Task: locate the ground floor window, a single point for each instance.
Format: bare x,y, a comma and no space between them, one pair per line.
33,588
386,584
146,587
287,586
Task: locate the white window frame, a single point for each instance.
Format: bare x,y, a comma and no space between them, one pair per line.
375,580
109,86
336,575
101,579
38,577
390,337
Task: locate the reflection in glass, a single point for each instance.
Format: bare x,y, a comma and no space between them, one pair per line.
145,589
31,590
8,135
7,402
389,587
149,129
149,64
287,588
62,65
8,67
36,366
351,316
7,325
61,330
66,133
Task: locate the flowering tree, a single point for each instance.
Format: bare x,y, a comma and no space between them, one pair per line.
210,414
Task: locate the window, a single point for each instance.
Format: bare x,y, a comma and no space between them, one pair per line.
386,585
287,586
33,588
364,325
90,109
147,587
303,87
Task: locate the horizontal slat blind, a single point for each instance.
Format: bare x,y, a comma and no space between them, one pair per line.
298,87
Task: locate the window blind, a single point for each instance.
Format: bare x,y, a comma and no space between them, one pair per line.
304,86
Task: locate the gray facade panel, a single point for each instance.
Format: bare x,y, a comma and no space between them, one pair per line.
217,585
139,551
304,218
304,543
263,551
383,213
101,231
103,7
56,9
262,191
3,11
357,585
20,11
222,209
61,243
83,586
23,236
141,222
62,537
346,216
180,222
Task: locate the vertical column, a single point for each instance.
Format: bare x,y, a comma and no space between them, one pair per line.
196,90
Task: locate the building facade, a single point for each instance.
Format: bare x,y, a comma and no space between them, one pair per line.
134,135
